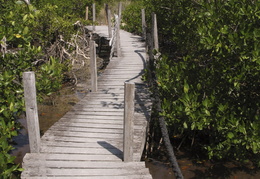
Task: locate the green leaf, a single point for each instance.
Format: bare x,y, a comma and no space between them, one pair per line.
25,30
186,87
185,125
230,135
25,17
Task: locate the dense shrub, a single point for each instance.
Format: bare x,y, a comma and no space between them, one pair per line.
27,34
209,83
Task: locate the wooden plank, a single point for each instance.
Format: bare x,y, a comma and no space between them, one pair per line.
79,116
95,177
103,126
86,15
155,33
95,144
89,151
78,139
94,16
85,164
143,24
31,111
98,121
80,157
93,65
96,113
89,172
86,134
109,23
128,121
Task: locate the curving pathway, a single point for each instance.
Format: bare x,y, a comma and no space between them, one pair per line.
87,142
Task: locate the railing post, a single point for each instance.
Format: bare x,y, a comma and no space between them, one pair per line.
94,15
129,96
109,23
155,33
118,45
86,13
93,66
143,24
31,111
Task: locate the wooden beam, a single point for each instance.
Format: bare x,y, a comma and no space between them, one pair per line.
118,45
86,13
128,121
94,16
31,111
143,24
155,33
109,23
93,66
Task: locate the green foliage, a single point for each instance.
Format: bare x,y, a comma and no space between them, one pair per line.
210,84
131,17
49,77
25,33
72,8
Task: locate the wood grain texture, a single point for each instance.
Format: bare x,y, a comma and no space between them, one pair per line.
31,111
87,142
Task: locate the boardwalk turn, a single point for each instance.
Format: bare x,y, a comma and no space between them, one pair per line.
88,141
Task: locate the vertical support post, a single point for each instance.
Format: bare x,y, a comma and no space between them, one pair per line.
86,13
109,23
129,96
31,111
106,8
118,50
143,24
155,33
94,15
93,66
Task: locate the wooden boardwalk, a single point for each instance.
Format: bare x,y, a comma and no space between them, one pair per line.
88,141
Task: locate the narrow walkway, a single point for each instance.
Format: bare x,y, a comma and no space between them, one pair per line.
88,141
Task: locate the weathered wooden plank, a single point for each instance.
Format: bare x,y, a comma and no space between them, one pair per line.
79,157
93,16
93,121
78,139
90,151
128,121
96,177
85,164
31,111
105,144
82,125
93,64
85,134
96,113
88,172
88,108
83,116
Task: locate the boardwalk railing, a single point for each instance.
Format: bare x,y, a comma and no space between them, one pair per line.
153,45
33,120
107,126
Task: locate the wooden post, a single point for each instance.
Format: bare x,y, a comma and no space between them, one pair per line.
143,24
31,111
93,66
129,96
118,45
155,33
105,9
94,16
86,13
109,23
